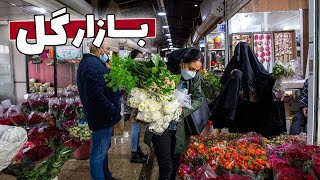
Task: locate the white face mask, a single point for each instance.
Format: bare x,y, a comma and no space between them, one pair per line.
186,74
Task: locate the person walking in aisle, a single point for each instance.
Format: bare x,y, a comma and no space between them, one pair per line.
137,156
101,107
174,141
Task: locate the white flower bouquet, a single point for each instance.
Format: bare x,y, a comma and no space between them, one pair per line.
151,88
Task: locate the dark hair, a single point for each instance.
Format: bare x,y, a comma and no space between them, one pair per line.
191,55
133,54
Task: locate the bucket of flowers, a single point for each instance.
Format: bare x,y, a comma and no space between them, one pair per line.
80,133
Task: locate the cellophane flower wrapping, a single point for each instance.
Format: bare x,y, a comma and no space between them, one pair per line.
54,109
183,98
155,109
78,130
301,156
43,155
79,109
36,149
68,111
25,107
293,173
38,102
15,116
316,164
151,87
229,155
38,119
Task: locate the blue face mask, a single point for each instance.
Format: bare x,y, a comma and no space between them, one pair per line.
186,74
104,58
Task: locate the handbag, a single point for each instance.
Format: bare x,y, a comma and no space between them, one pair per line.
195,123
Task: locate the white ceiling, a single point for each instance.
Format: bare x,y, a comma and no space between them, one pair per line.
18,10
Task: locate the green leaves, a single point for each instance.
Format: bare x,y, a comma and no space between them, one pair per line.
127,74
120,76
281,71
211,85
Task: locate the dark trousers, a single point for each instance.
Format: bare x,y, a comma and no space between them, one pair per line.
168,161
299,123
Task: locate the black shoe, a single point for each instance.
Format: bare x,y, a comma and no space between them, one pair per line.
115,178
141,154
135,158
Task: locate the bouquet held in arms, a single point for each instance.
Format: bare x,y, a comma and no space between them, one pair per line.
151,88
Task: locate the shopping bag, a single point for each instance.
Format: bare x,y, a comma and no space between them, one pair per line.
208,130
196,122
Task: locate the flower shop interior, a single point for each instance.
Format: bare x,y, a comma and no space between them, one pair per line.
42,115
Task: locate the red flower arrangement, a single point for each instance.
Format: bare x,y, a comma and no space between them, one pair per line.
293,173
36,118
38,153
6,121
184,171
18,119
300,155
316,164
234,177
25,107
39,104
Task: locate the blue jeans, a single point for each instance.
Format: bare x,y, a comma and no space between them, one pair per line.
135,136
101,142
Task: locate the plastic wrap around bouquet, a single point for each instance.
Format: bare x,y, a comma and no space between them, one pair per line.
11,141
152,90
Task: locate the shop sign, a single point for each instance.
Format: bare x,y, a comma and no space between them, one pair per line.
202,43
37,61
68,52
221,27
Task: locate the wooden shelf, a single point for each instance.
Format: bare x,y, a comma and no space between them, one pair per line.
293,84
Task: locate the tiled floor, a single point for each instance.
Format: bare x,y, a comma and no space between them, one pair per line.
119,160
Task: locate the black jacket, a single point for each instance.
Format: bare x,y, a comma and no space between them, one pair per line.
101,104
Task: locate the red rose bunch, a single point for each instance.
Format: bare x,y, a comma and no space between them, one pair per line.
35,118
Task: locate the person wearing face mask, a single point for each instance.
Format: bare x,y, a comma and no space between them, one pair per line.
174,141
106,53
101,107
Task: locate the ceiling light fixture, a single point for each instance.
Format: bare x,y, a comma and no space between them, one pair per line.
165,26
168,35
162,13
41,10
169,40
171,44
196,5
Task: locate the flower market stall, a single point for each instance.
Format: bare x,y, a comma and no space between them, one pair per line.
250,156
56,129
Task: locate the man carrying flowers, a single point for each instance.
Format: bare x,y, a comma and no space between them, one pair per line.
101,107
